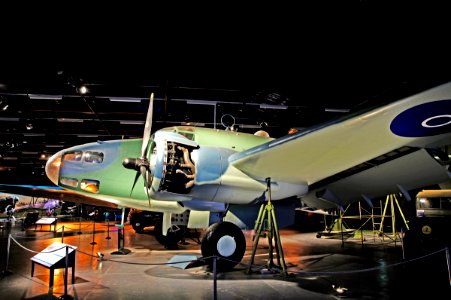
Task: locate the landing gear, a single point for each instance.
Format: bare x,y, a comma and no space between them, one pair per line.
224,240
173,236
140,219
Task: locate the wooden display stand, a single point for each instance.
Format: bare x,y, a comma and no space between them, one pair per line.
54,257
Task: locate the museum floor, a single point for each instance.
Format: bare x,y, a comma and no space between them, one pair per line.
317,268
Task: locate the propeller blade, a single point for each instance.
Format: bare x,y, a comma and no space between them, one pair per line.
143,171
134,182
146,187
147,128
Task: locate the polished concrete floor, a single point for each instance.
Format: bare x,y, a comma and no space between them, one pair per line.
317,268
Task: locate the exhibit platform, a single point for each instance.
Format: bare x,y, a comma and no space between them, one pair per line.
317,268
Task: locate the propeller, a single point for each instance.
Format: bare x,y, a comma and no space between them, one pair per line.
141,164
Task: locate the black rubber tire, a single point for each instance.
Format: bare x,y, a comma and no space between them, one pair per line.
137,227
171,239
137,223
210,240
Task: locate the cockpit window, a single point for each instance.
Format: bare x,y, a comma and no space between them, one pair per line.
93,157
72,182
90,185
188,135
73,156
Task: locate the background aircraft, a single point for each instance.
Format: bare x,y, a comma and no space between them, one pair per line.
20,203
200,177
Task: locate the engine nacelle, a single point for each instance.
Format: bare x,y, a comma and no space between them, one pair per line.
171,165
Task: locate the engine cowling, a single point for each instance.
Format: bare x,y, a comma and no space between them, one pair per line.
171,165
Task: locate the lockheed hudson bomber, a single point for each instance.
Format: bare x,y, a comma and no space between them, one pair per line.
217,179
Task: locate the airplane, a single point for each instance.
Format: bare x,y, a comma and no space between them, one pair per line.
217,179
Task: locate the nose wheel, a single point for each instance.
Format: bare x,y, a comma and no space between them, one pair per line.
226,241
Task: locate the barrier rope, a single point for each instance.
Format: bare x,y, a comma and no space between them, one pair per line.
36,252
86,226
369,269
52,232
203,259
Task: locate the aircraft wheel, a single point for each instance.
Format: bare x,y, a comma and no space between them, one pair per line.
224,240
137,227
173,236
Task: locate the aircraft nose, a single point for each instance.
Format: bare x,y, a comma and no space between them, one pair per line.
52,167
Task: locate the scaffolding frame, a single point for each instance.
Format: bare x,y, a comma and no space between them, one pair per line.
377,221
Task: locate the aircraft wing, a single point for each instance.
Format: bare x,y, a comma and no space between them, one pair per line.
53,192
381,149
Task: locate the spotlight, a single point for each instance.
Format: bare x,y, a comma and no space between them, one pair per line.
100,255
82,89
29,126
340,290
3,104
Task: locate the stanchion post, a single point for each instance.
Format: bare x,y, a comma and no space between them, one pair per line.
6,272
119,238
108,228
94,233
79,225
66,271
62,235
215,290
448,264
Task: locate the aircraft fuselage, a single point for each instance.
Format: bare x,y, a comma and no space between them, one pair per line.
189,167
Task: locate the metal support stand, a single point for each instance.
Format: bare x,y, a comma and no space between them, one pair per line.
391,199
120,238
272,232
108,228
94,233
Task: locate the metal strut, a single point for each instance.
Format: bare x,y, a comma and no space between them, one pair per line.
272,232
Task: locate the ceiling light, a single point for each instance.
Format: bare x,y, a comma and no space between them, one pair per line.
9,158
269,106
34,134
44,156
44,97
87,135
201,102
125,99
249,126
69,120
340,110
131,122
82,89
3,104
29,126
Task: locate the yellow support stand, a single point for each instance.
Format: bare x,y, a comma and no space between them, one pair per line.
392,200
267,209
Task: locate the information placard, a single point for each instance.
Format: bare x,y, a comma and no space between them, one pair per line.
53,254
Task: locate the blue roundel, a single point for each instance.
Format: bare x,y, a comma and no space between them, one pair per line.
426,119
